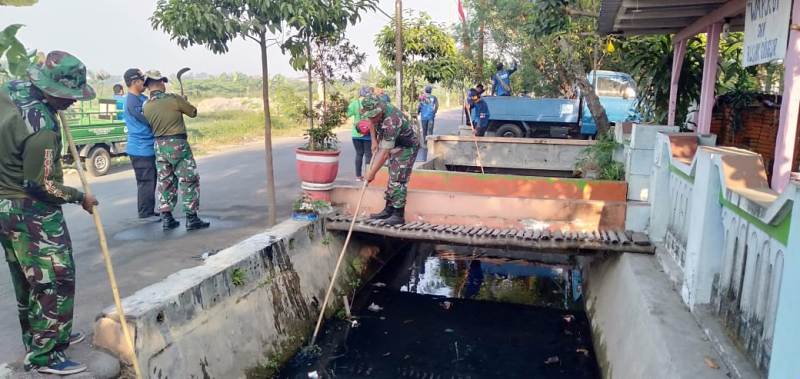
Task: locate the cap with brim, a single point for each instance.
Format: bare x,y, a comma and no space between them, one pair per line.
154,76
371,106
133,74
61,75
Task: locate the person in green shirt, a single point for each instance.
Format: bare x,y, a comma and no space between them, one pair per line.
175,162
33,233
361,140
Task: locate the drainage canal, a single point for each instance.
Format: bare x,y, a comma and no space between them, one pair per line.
456,312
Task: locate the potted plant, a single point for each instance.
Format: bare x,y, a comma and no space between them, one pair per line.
307,209
318,159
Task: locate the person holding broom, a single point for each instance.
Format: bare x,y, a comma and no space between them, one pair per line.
394,139
33,233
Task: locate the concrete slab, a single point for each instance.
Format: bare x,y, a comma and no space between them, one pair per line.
509,153
683,146
249,304
638,187
643,136
637,216
641,329
640,162
439,207
511,185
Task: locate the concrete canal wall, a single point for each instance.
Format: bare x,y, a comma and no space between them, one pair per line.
640,327
726,240
248,306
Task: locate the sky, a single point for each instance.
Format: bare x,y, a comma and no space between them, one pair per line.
114,35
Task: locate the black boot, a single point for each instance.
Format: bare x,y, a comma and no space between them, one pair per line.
384,214
193,222
398,217
168,222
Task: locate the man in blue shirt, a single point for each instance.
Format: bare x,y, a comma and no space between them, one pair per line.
479,113
140,143
427,108
501,81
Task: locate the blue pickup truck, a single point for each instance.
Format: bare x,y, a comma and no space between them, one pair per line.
519,116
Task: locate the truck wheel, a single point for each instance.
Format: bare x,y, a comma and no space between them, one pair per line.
509,130
98,163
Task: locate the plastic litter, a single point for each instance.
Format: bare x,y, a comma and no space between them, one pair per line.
375,307
313,375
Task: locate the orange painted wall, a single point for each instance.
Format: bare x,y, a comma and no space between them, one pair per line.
512,185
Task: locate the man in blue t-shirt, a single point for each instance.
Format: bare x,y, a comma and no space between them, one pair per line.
479,113
427,108
501,81
140,143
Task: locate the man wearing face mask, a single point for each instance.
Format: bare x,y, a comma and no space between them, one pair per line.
33,233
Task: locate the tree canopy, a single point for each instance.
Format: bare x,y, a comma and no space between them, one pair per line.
14,59
429,53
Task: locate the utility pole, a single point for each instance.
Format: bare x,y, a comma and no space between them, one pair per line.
398,54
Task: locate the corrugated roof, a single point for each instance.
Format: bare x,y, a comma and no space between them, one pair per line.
632,17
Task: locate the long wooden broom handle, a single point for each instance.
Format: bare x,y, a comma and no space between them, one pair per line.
101,234
339,263
475,139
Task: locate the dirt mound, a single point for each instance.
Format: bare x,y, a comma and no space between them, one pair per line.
218,104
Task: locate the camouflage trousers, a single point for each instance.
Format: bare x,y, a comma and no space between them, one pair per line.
38,250
400,163
177,170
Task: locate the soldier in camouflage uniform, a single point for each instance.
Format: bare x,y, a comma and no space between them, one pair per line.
174,160
398,142
33,234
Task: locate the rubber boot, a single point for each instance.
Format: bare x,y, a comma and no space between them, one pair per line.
168,222
193,222
398,217
384,214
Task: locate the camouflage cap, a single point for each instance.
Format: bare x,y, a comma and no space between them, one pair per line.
371,106
154,75
61,75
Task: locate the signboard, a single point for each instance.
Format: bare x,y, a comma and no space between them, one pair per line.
766,31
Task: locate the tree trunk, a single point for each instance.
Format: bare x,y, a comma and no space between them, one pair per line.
481,44
310,90
466,43
398,53
322,78
272,203
587,90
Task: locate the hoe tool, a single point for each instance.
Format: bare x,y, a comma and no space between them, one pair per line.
180,73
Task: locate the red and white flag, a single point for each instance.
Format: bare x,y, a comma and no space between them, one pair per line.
461,12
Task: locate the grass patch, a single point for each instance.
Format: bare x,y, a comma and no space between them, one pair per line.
210,131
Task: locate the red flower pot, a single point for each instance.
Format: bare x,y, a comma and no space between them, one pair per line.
318,167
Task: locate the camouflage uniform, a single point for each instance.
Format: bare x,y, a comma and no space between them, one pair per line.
177,169
397,135
33,233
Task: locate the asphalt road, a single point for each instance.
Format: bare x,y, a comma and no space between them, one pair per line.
233,197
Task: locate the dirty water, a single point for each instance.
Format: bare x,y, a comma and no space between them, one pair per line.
433,313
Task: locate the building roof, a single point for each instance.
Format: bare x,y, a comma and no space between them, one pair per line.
637,17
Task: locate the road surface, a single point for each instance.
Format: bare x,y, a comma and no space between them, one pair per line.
233,197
